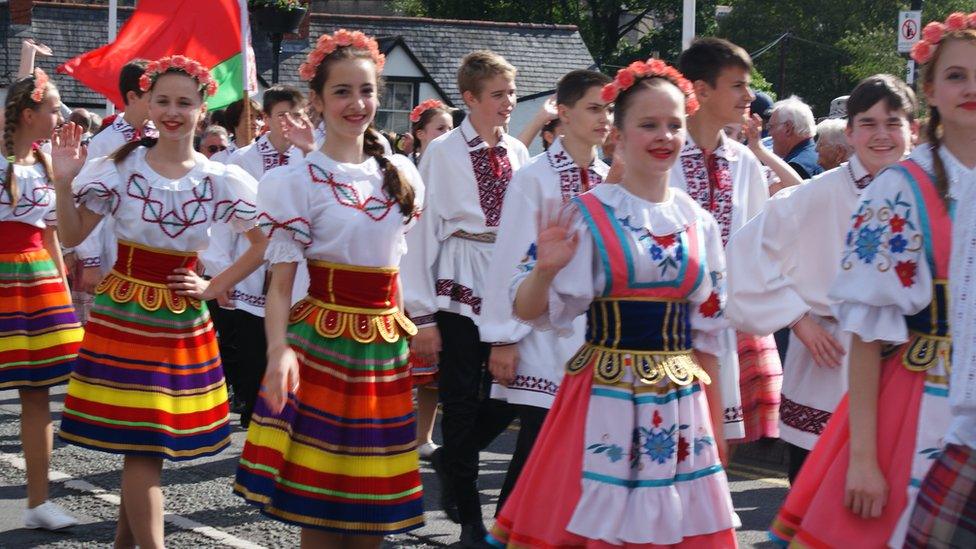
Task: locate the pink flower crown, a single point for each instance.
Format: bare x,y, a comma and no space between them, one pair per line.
934,32
193,68
423,107
328,43
653,68
40,85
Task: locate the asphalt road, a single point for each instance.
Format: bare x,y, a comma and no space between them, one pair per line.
202,512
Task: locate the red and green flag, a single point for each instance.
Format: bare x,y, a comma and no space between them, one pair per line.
214,32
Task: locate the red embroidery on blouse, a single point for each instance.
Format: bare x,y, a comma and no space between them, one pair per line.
101,192
460,293
492,172
39,197
174,222
347,195
299,227
709,182
270,157
711,306
906,271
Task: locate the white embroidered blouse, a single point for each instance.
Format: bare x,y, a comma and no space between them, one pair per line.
318,208
36,203
170,214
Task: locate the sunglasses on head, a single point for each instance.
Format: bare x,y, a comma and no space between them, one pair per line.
214,149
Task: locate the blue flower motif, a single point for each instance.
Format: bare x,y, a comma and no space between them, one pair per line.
656,253
659,446
679,252
850,238
898,244
868,242
615,453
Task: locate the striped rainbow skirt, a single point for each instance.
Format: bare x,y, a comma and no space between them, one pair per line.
148,379
341,456
39,334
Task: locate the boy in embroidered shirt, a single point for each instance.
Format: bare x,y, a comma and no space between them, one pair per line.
782,263
467,172
240,315
528,364
96,254
726,179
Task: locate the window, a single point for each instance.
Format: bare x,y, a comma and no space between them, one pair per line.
395,105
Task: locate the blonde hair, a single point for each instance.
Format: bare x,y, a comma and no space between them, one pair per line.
478,66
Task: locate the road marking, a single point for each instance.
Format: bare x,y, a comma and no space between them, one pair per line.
179,521
768,476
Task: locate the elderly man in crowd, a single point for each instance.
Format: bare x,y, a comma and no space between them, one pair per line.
832,146
792,127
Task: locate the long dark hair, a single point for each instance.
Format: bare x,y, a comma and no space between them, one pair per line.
18,99
394,184
420,124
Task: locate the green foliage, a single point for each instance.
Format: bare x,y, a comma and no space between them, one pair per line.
280,4
759,83
871,51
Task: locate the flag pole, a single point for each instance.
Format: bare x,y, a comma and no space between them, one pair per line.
113,20
245,72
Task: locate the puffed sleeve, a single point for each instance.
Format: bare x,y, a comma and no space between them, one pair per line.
708,320
576,285
97,185
236,195
884,274
516,232
283,213
417,266
762,296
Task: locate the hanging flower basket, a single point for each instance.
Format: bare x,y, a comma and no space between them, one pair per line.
277,16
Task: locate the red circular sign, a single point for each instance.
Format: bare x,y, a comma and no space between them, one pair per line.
909,29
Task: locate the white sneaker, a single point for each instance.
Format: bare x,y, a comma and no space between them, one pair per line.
48,516
425,450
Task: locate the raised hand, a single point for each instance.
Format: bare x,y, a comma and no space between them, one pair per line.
299,131
68,155
556,242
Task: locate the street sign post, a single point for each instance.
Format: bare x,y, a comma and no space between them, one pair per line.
909,29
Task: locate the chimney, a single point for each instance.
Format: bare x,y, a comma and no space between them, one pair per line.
20,11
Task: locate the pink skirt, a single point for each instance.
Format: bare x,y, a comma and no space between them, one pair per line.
760,383
545,496
814,514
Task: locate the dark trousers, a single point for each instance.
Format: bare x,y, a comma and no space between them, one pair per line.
470,420
243,352
531,419
797,456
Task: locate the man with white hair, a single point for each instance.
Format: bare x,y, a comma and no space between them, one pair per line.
832,146
793,128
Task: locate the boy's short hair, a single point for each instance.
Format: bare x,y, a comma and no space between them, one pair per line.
280,93
896,94
706,58
478,66
575,84
129,78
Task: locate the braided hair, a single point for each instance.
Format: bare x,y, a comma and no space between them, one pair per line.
933,130
394,184
18,99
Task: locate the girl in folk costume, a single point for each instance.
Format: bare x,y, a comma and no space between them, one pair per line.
528,365
467,171
429,120
860,482
783,262
240,320
331,446
39,334
628,455
727,180
946,505
148,383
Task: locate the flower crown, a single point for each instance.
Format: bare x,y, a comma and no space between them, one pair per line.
40,85
193,68
328,43
934,32
653,68
423,107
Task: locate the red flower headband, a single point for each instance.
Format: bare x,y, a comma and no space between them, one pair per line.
934,32
328,43
191,67
40,85
653,68
423,107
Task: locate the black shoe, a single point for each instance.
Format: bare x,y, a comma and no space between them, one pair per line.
448,502
473,536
